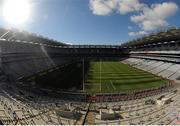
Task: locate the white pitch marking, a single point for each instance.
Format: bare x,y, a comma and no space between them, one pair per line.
112,85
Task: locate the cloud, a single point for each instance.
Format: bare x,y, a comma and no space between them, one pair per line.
154,17
102,7
130,28
127,6
140,33
105,7
147,17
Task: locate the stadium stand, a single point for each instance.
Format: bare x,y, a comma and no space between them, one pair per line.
28,59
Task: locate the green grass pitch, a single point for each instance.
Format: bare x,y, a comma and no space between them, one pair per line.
114,77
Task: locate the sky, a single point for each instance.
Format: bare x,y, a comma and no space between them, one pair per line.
100,22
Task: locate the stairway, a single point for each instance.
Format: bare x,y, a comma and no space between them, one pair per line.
90,116
90,119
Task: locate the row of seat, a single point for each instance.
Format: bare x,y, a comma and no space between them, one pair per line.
137,112
164,69
13,111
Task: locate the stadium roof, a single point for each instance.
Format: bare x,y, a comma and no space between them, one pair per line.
13,34
156,38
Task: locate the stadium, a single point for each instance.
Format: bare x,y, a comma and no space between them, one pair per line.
135,83
47,82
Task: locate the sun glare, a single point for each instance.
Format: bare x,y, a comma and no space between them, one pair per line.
16,12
